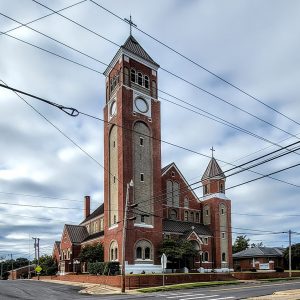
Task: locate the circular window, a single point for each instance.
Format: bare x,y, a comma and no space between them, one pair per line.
113,108
141,105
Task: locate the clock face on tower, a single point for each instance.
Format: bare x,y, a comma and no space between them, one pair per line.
141,105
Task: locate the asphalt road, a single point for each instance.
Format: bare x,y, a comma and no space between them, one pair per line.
25,289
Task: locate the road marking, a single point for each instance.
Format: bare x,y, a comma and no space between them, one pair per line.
177,296
201,297
223,298
168,294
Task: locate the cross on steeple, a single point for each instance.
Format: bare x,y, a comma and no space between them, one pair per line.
212,151
130,23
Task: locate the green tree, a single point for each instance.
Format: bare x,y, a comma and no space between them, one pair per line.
295,256
177,250
92,253
260,244
241,243
48,264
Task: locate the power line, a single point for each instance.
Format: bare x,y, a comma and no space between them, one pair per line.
198,87
197,64
49,102
219,120
54,39
45,16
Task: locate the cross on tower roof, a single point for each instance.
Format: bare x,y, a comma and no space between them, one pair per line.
130,23
212,151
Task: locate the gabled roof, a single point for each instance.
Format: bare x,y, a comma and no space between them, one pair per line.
185,227
165,169
57,244
76,233
94,236
97,212
134,47
213,171
259,252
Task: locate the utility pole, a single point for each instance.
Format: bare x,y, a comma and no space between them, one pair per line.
290,253
124,236
12,267
38,255
2,260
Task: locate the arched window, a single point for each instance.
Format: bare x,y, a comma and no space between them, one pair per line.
221,187
140,78
223,256
197,217
133,75
143,250
111,254
173,214
147,253
205,258
113,251
139,252
154,89
222,209
205,189
186,216
173,192
186,202
146,78
192,216
126,76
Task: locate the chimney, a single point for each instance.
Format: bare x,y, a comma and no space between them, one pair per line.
87,206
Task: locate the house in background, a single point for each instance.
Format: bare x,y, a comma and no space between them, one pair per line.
259,258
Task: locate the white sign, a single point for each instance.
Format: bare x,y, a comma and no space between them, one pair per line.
264,266
163,261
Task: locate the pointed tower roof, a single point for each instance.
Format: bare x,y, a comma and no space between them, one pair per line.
134,47
213,171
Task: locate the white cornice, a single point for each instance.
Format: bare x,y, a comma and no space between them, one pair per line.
119,54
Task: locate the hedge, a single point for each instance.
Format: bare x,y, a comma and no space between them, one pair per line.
103,268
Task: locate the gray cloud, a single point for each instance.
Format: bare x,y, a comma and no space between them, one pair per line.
246,42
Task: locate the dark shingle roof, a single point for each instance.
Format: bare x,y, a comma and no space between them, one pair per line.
134,47
185,227
94,236
97,212
166,167
259,252
77,233
57,244
213,170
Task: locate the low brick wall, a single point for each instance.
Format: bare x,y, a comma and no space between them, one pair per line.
262,275
141,281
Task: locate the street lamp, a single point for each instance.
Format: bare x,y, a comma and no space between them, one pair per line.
130,184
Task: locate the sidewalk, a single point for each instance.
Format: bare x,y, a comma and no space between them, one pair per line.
282,295
92,288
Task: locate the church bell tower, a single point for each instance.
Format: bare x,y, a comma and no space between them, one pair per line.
132,152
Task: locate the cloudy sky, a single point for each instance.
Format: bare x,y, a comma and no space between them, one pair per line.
252,44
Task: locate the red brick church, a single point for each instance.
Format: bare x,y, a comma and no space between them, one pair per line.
161,204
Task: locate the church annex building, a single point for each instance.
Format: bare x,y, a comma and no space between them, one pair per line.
160,198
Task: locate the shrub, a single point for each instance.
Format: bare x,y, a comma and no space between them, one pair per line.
103,268
279,269
252,270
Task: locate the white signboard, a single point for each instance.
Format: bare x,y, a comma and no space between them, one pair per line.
264,266
163,261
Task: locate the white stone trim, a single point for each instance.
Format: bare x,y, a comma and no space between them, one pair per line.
215,195
143,225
